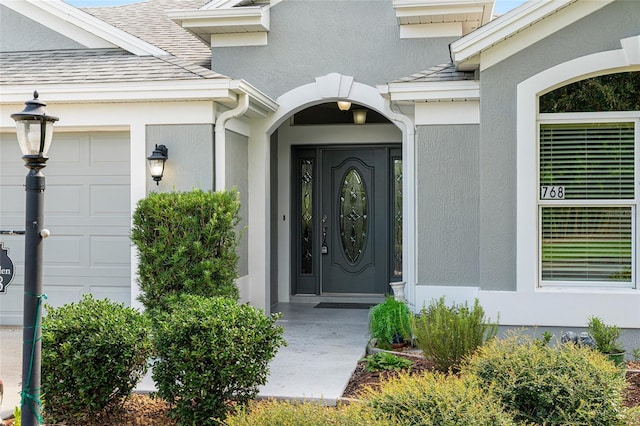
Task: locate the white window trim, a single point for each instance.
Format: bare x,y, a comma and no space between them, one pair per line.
530,304
586,118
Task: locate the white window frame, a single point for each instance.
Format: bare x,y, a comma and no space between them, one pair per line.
588,118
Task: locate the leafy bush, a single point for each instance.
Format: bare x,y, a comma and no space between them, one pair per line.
386,361
448,334
605,336
271,413
94,353
187,244
434,399
389,322
552,386
211,352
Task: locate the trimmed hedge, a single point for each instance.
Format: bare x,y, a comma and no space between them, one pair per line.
211,353
94,352
434,399
552,386
187,244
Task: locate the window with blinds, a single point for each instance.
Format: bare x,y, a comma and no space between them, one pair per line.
587,203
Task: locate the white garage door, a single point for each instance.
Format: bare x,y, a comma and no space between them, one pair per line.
87,210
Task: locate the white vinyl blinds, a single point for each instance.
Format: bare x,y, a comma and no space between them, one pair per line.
587,202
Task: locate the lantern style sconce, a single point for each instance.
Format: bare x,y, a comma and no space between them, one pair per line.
156,162
359,116
344,105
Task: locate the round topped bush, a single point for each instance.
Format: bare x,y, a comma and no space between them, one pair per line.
94,352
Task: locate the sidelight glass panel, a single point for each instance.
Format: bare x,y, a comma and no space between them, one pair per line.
306,218
397,217
353,211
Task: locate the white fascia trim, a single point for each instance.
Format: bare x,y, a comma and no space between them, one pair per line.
432,91
408,9
239,39
218,90
218,4
260,104
221,21
82,27
445,113
516,21
448,29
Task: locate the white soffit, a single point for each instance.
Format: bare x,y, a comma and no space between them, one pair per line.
441,18
251,23
531,22
81,27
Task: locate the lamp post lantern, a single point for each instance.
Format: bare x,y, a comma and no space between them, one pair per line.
34,129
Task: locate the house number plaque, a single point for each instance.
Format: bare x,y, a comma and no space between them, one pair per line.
6,269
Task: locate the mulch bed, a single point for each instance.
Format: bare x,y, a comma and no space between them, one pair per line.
362,378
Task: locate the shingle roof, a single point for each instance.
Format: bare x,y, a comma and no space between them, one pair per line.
95,66
443,72
148,21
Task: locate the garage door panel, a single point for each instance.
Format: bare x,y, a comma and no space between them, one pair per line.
64,250
109,200
64,199
66,151
106,151
106,251
13,200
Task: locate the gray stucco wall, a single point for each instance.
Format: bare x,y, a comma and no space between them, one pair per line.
600,31
236,175
447,221
310,38
14,26
190,163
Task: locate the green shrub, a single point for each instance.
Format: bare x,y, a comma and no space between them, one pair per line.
434,399
447,334
551,386
386,361
94,352
279,413
187,244
605,336
389,322
211,352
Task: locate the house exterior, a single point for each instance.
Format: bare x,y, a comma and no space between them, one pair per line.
452,184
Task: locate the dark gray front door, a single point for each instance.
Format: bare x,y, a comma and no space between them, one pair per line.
343,209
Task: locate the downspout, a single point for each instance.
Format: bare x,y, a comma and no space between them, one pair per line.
409,226
220,141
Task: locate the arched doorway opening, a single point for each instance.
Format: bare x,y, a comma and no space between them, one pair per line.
340,185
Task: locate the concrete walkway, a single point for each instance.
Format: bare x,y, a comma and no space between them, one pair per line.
324,346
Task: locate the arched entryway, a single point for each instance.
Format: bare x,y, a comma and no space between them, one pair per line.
346,255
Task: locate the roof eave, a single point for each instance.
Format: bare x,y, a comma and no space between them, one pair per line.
68,19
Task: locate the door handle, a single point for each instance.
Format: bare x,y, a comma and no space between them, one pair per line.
325,248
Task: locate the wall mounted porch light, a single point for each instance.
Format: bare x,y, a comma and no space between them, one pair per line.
344,105
359,116
156,162
34,129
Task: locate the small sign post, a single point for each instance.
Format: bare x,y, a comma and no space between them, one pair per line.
6,269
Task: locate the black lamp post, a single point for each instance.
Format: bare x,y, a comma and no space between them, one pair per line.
34,130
